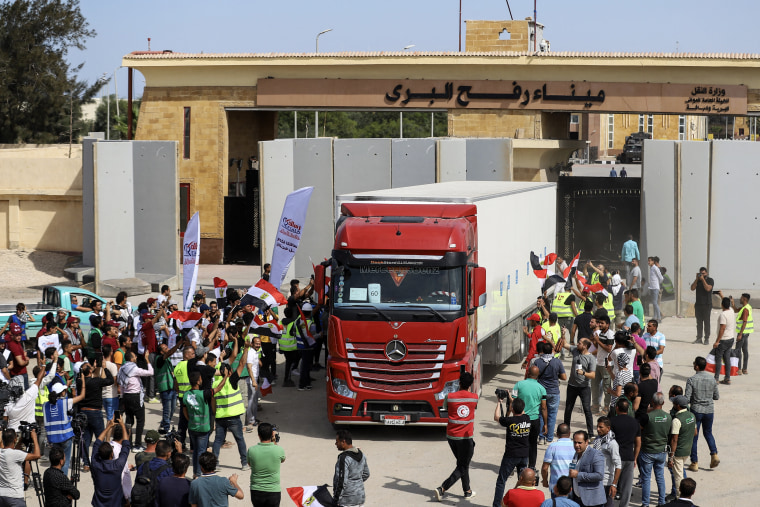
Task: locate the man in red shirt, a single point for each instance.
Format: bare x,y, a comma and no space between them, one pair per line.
111,335
460,406
19,355
525,494
535,335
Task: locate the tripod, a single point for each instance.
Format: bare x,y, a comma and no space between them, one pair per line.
76,458
36,478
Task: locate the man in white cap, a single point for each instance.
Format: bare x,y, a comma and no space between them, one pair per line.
57,420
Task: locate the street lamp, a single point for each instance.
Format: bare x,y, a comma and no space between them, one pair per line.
322,33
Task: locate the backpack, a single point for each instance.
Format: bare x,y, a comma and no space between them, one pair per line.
146,486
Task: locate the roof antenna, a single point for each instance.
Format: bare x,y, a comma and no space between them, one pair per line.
148,43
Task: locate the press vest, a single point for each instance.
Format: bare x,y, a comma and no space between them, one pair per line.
749,328
301,336
288,339
461,407
560,307
594,278
686,435
57,421
229,401
42,397
183,381
197,412
165,377
609,306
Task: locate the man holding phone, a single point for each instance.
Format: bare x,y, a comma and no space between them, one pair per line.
703,285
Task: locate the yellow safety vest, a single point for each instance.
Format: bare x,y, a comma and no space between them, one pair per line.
229,401
594,278
749,328
183,381
42,397
288,338
555,330
609,306
560,307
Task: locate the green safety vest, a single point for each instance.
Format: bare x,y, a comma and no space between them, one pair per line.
229,401
183,381
594,278
560,307
686,435
667,285
749,328
197,412
42,397
165,377
288,339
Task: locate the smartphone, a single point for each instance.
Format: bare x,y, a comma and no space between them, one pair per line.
116,415
716,292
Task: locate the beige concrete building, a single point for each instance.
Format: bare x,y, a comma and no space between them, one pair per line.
219,106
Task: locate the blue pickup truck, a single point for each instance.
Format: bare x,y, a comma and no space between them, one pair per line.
53,298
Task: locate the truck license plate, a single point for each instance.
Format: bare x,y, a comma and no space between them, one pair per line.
394,420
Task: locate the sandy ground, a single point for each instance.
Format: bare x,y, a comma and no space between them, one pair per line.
26,272
406,463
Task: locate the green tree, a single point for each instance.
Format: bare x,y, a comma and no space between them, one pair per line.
118,122
363,124
40,95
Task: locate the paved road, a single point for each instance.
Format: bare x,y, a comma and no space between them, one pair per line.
406,463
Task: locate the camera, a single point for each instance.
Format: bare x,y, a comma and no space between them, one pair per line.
78,424
502,394
624,337
172,436
276,434
25,433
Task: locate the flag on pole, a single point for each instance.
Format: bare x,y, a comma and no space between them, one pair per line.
311,496
289,233
545,272
220,286
263,295
266,387
263,327
570,272
190,259
186,319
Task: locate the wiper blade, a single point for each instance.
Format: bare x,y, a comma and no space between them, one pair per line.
379,311
426,307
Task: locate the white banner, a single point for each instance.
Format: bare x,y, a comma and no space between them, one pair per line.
289,233
190,259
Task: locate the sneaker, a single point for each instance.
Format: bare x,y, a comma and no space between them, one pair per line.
308,388
249,429
738,372
698,341
669,498
301,388
138,448
86,469
295,372
541,441
152,400
714,460
245,467
469,494
726,381
694,467
707,341
439,493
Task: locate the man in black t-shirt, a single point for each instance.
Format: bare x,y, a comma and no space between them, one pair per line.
648,387
516,449
703,285
628,437
582,323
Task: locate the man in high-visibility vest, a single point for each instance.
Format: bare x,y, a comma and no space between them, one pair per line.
165,383
183,385
744,327
230,406
565,308
288,347
198,405
553,332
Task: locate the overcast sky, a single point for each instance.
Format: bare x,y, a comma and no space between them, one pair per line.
238,26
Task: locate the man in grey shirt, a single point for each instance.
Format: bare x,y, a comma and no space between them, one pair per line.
583,369
702,391
634,275
655,279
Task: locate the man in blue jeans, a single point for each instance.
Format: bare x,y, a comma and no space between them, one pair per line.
230,406
95,379
165,383
655,431
551,372
197,407
702,391
517,446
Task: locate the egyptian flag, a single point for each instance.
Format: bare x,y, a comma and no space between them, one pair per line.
311,496
266,387
597,288
220,287
262,327
545,271
263,295
734,367
186,319
570,271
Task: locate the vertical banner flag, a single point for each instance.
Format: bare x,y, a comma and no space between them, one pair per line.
220,287
190,256
289,232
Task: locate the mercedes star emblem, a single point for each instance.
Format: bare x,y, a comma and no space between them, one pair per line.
395,350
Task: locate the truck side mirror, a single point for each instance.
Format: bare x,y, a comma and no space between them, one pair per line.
478,287
319,282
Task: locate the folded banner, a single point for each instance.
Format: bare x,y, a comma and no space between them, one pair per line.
190,256
220,287
186,319
263,295
289,233
311,496
733,368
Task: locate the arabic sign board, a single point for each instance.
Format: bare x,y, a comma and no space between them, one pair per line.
515,95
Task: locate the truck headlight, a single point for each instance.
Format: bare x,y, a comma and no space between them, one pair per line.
341,388
449,387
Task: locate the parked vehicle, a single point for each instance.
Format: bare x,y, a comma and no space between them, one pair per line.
427,281
633,148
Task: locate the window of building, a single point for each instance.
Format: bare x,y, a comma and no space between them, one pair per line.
681,127
610,131
186,134
184,207
650,123
641,123
574,119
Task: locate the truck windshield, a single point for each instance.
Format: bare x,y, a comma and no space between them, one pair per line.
393,287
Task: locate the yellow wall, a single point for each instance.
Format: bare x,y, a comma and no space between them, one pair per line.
484,36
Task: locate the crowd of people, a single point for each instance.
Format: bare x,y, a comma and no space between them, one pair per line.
82,412
631,420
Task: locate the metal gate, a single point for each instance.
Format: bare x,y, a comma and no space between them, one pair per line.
242,225
595,216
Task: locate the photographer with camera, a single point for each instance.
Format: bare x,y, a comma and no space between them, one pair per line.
58,421
59,490
12,462
517,448
265,460
107,470
21,405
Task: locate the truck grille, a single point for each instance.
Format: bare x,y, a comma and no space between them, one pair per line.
420,369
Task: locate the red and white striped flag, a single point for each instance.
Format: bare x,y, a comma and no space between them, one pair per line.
220,286
266,387
263,295
266,328
544,271
186,319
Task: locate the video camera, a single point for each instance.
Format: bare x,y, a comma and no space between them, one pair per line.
25,433
276,434
502,394
78,424
172,436
624,337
